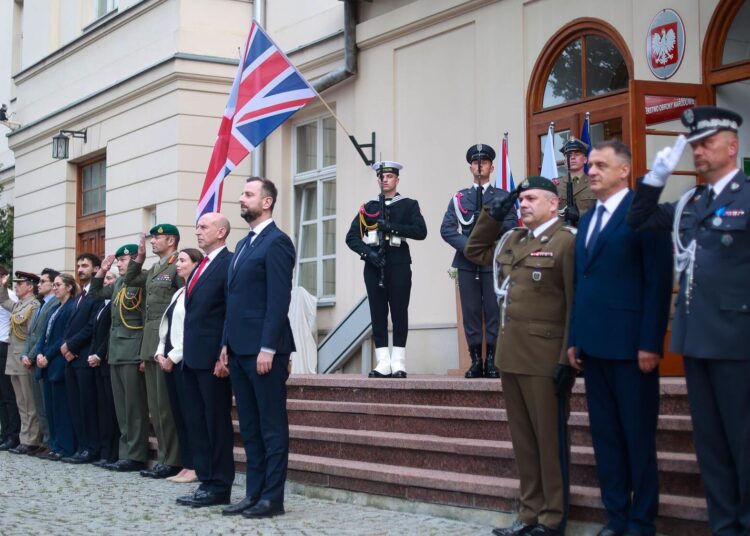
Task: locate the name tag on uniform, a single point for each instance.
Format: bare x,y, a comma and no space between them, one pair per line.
541,254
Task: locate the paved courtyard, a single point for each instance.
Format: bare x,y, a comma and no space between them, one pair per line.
43,497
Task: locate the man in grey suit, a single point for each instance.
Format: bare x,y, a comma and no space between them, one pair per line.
475,285
37,329
711,237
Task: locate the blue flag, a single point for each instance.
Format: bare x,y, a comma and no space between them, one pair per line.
586,138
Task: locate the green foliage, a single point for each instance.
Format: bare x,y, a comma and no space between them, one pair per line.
6,235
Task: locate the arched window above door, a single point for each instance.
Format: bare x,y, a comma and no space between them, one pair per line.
737,44
589,66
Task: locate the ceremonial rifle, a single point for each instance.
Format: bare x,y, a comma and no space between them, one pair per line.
381,234
571,210
478,208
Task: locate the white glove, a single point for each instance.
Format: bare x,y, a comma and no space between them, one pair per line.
665,163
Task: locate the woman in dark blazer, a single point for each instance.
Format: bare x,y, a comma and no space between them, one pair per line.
51,362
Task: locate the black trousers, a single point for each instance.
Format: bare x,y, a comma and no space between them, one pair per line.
719,400
479,307
394,295
109,429
208,415
176,391
264,424
80,384
10,420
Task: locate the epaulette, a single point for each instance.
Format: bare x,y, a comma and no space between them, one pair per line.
571,230
172,259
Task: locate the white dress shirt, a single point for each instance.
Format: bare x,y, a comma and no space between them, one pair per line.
610,205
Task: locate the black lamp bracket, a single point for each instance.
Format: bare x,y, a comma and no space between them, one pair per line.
75,134
360,146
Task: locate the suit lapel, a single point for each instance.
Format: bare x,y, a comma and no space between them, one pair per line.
614,222
207,271
248,251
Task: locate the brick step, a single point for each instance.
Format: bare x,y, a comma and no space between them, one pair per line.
678,472
445,391
679,515
674,433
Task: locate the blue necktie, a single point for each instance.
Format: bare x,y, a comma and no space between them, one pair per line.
597,228
246,245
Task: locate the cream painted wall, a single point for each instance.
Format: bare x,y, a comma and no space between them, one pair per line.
6,45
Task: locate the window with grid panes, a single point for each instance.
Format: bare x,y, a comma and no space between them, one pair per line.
315,206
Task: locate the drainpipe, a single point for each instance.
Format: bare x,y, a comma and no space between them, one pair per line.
258,157
349,68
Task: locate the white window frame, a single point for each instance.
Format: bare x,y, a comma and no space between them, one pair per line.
109,6
319,175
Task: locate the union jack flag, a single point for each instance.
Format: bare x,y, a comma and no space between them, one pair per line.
267,90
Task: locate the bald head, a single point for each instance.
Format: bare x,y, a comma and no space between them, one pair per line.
211,231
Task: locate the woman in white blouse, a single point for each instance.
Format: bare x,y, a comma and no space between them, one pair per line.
169,357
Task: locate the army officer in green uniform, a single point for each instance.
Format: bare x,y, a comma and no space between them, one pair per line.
159,283
536,280
128,386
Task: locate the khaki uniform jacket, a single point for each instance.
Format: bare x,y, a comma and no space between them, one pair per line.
159,282
21,315
584,197
533,339
126,332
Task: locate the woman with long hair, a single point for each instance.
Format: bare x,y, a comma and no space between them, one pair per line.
50,360
169,357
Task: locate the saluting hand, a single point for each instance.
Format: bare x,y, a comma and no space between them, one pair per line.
141,256
4,280
665,162
107,263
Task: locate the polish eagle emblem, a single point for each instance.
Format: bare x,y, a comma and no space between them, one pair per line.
663,46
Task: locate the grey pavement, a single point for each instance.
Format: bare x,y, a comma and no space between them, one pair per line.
43,497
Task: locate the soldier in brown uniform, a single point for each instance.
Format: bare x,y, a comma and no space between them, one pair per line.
536,280
575,157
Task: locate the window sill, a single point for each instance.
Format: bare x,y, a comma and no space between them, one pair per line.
325,303
100,20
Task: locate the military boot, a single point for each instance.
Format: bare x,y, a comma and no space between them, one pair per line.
490,370
383,367
475,370
398,362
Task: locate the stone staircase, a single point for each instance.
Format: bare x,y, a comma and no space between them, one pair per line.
445,440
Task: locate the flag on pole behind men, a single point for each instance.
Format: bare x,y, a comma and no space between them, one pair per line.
586,138
504,179
267,90
549,163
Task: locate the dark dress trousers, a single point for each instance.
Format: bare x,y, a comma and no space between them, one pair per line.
710,328
10,419
61,434
475,285
258,294
80,379
208,400
407,222
621,305
109,430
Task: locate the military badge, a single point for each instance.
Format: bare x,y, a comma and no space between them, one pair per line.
734,187
727,239
688,116
536,276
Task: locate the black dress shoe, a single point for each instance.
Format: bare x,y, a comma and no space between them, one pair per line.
9,443
85,456
263,509
399,374
123,466
375,374
205,498
237,509
20,449
516,529
100,463
161,471
609,532
543,530
52,456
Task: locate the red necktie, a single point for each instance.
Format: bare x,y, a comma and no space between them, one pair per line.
197,274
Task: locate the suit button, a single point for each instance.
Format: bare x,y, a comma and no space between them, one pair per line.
702,228
744,307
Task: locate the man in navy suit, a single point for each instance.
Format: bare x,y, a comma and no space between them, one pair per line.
80,379
257,343
623,286
208,392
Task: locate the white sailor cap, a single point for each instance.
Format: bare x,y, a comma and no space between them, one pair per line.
387,166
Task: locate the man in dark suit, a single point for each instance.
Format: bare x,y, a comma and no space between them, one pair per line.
475,286
208,392
711,319
109,432
80,379
256,346
621,306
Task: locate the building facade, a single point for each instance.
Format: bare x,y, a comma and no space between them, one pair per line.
148,81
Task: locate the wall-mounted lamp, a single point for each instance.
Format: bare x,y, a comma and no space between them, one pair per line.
61,142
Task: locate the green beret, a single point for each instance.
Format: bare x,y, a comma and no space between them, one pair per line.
537,183
164,229
127,249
